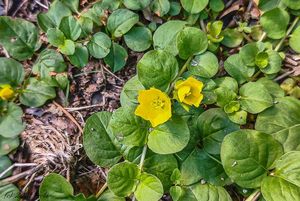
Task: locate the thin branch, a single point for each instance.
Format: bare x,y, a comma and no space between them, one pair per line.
111,73
73,109
277,48
284,75
102,189
254,196
40,4
69,116
16,165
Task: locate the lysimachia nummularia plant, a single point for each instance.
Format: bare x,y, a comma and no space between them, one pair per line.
203,119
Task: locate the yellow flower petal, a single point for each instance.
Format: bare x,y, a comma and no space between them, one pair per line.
189,92
155,106
183,92
6,92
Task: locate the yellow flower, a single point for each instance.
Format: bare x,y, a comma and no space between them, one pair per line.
155,106
188,92
6,92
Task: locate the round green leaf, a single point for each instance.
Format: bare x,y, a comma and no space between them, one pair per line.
110,196
56,37
165,36
273,88
201,165
116,58
128,128
67,48
278,189
275,22
157,69
11,124
122,178
160,7
288,167
194,6
57,11
232,37
170,137
80,58
274,63
213,126
224,96
11,72
282,122
238,117
262,60
216,5
161,166
232,107
4,164
247,155
136,4
235,67
73,5
130,91
110,5
49,61
138,39
292,4
204,65
99,143
56,188
70,27
248,53
8,144
86,26
19,37
227,82
294,40
209,192
45,22
255,98
191,41
121,21
36,93
97,13
99,45
9,193
175,8
149,188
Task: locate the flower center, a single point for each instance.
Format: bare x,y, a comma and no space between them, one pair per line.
158,103
184,92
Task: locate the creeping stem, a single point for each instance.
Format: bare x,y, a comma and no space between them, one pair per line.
142,162
182,70
254,196
287,33
102,189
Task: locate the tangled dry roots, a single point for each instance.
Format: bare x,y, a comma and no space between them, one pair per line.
51,140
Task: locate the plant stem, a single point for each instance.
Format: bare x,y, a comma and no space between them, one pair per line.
262,37
254,196
247,37
287,33
102,189
202,25
182,70
184,67
144,152
143,157
255,75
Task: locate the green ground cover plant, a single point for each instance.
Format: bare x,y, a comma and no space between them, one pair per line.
183,129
